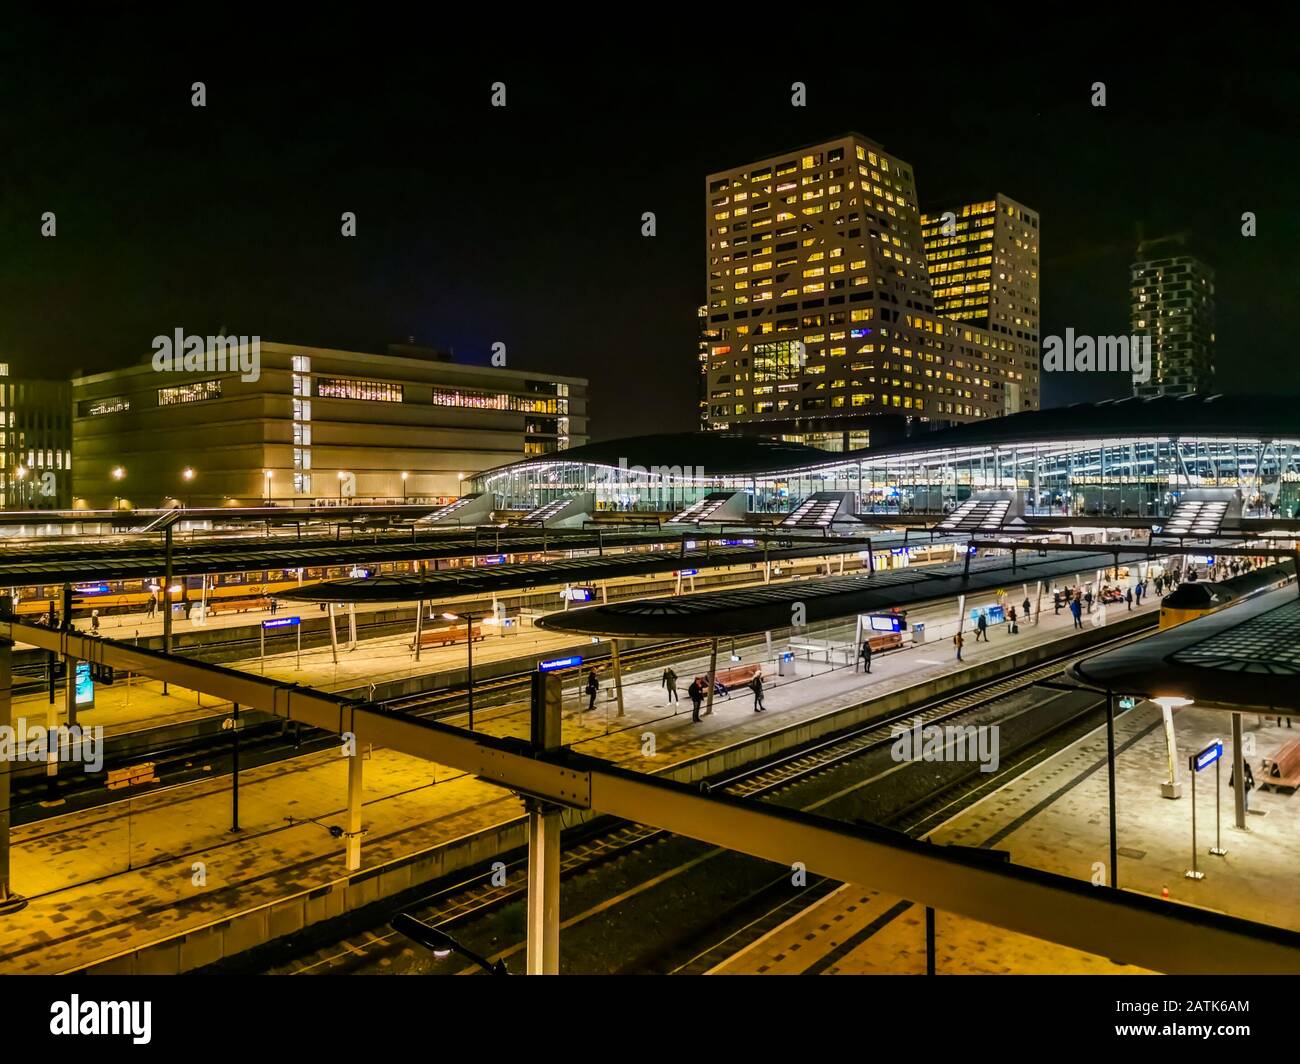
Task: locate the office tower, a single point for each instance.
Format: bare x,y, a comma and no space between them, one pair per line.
1172,302
827,331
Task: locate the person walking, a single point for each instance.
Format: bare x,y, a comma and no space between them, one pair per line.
152,608
669,680
757,685
981,629
593,685
697,697
1076,611
1056,603
864,655
1088,599
1012,627
94,622
957,641
1248,784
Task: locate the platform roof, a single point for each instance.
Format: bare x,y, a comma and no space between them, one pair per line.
1245,656
749,610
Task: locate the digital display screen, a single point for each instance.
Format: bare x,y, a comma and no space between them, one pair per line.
85,685
886,624
992,614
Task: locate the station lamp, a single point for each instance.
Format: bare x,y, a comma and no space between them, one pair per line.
1173,701
440,943
187,473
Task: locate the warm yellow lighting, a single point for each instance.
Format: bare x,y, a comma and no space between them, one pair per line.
1172,701
118,473
187,473
451,617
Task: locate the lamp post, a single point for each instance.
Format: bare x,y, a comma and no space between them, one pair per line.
343,475
117,473
440,943
187,475
404,476
469,659
266,478
21,475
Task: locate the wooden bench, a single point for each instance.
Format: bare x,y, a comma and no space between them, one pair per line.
441,637
235,605
726,679
1282,769
884,641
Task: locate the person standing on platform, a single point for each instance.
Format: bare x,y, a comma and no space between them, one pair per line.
1248,784
1076,610
757,685
1088,599
1128,598
697,697
864,655
1024,612
669,680
593,685
1056,603
958,640
981,629
1012,627
94,621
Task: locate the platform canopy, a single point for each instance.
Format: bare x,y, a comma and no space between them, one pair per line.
1242,657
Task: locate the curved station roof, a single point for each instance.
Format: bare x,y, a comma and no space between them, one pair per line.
749,610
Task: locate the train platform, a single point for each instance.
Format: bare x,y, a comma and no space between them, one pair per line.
106,881
1054,817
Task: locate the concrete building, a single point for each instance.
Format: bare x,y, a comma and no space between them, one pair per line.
822,325
36,443
982,259
1172,302
317,426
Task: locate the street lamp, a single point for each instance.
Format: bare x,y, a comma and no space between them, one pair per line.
266,476
440,943
343,475
21,474
469,659
117,473
187,475
404,476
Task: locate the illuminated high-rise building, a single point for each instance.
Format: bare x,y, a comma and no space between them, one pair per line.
821,323
1172,302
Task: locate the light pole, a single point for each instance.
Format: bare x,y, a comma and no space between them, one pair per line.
343,475
117,473
21,474
469,660
404,476
266,477
187,475
440,943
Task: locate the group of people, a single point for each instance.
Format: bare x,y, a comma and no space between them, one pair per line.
696,692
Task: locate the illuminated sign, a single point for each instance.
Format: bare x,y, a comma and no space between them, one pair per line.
85,685
1206,757
571,662
281,622
688,572
91,589
885,623
494,559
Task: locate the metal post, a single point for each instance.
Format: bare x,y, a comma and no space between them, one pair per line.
618,674
469,666
929,941
1238,774
713,669
167,594
352,625
9,902
1193,873
543,934
1217,849
234,768
334,636
1110,782
355,791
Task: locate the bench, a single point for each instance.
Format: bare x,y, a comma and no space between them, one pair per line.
441,637
234,605
726,679
1282,769
884,641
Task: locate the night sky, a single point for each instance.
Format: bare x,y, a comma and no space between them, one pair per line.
522,224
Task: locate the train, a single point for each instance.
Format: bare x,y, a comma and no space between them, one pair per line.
1194,599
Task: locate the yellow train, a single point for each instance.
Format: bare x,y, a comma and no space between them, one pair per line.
1191,600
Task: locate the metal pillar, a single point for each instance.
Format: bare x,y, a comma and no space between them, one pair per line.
334,635
234,768
929,941
713,669
543,936
355,790
1110,782
167,594
9,902
618,674
352,626
1238,775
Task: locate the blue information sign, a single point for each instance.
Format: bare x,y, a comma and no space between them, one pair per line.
688,572
85,685
281,622
571,662
1206,757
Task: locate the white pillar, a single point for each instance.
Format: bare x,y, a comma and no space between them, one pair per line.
713,669
618,674
543,891
354,807
334,635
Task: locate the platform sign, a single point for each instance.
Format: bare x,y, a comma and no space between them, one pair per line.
688,572
1127,702
85,685
578,594
571,662
281,622
885,623
1206,757
494,559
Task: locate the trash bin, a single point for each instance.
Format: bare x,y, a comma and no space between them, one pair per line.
784,662
918,633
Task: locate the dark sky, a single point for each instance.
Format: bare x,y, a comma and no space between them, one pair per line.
522,224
